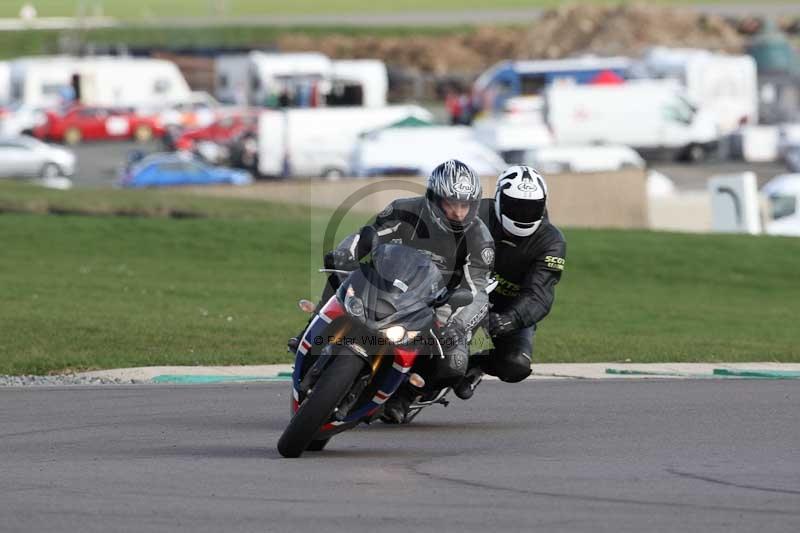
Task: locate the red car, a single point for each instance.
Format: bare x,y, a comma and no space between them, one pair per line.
221,131
97,123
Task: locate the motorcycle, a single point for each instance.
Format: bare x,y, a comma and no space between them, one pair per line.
363,344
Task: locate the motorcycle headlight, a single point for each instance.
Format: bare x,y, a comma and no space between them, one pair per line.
399,334
353,305
395,333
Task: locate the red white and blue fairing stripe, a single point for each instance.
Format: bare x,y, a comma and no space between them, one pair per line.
403,361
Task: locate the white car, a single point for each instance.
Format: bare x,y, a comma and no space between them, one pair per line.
582,158
416,151
23,156
783,194
20,118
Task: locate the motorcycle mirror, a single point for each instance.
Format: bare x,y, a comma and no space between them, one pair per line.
460,298
367,241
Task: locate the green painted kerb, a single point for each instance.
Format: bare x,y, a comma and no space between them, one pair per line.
191,380
628,372
763,374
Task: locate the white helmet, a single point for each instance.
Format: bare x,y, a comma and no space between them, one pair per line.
519,200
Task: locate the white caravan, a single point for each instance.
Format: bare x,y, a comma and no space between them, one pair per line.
320,142
109,81
262,79
417,150
358,82
303,79
652,116
725,85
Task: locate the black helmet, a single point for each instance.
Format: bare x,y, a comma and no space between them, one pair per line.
457,182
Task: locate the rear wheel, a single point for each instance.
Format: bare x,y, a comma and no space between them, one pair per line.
329,391
72,135
694,153
143,133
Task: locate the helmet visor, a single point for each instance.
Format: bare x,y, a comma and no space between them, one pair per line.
522,211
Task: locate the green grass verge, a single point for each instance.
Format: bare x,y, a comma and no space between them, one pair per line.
213,8
83,292
37,42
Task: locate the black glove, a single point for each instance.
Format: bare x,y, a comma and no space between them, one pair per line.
452,336
456,353
340,260
498,324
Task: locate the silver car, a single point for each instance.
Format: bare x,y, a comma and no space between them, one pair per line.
23,156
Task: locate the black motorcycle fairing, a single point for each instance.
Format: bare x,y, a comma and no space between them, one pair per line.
398,287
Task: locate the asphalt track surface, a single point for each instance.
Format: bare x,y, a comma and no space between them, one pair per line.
577,455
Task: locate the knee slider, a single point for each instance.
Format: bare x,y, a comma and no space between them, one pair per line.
514,368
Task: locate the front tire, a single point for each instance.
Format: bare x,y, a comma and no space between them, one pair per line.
50,171
317,445
329,391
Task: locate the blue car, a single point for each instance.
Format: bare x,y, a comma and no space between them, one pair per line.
169,170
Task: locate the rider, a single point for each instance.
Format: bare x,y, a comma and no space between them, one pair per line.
443,224
530,258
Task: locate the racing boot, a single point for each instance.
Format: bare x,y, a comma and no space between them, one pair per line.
465,388
395,409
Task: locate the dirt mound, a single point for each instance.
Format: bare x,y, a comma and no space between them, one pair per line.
626,30
568,30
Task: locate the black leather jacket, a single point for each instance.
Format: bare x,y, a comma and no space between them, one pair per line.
527,269
464,259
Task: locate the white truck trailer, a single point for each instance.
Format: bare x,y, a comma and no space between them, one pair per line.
725,85
320,142
655,117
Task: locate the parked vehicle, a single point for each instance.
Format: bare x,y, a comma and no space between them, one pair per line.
320,142
789,145
169,170
512,134
358,82
307,79
372,334
219,131
201,110
5,83
416,151
18,119
272,79
582,158
511,79
783,195
725,85
23,156
81,123
103,81
652,116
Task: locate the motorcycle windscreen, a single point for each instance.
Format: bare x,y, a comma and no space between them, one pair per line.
400,284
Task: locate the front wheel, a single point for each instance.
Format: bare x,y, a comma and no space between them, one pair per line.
317,445
330,389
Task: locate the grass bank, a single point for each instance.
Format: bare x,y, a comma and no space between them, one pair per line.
149,9
219,286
